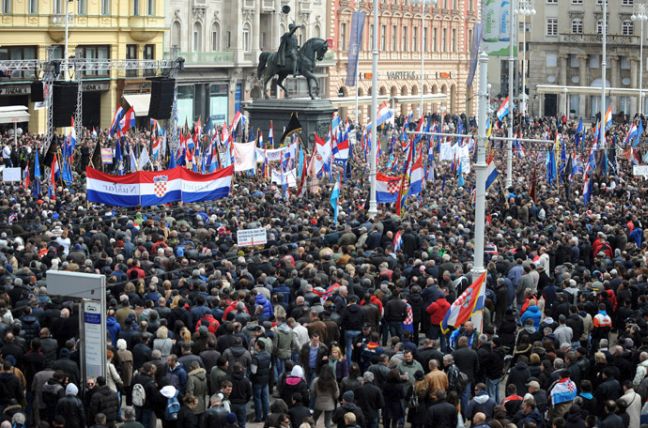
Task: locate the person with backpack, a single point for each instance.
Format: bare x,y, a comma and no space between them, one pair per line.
105,401
71,408
53,390
241,393
171,407
143,395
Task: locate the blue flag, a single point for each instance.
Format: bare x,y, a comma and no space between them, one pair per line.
37,176
335,195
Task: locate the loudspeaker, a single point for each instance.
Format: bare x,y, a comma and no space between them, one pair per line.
37,91
161,98
64,103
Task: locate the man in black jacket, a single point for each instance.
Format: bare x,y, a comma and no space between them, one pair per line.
370,400
146,377
348,405
105,401
261,369
241,393
395,314
467,361
441,414
71,408
352,320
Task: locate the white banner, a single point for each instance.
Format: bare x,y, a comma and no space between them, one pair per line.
277,177
11,174
250,237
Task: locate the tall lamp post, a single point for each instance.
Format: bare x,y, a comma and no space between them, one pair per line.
373,204
433,3
525,9
603,70
641,15
511,97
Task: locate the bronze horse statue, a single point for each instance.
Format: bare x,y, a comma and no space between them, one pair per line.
313,50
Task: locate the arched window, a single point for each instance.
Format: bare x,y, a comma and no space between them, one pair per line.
577,26
627,28
246,37
197,37
599,26
176,33
215,36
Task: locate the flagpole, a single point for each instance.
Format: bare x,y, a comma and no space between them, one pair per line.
603,73
373,205
480,169
511,70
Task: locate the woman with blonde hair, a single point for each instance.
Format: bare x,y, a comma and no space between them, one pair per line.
162,342
337,362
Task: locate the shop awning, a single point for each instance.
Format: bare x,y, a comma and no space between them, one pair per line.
14,114
139,102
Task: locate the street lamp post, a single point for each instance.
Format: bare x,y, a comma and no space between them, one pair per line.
433,3
603,70
641,15
373,204
525,9
511,68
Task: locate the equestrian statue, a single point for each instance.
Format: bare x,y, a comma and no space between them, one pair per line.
292,59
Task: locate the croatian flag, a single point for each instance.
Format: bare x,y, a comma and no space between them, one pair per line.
323,153
238,117
342,149
416,177
491,172
127,121
503,110
387,188
115,128
145,188
385,114
632,133
470,301
608,118
398,241
73,138
518,148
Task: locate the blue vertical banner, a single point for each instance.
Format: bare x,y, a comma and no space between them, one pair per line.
355,42
474,52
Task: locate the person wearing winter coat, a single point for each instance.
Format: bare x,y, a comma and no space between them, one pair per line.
642,369
481,402
528,413
325,393
282,345
633,403
519,374
532,312
187,417
294,383
241,393
197,387
104,400
71,408
261,369
441,414
267,312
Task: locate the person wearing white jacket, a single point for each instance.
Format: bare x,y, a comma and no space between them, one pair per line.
633,404
113,380
642,369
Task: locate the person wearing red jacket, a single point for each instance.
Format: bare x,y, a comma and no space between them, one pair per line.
437,311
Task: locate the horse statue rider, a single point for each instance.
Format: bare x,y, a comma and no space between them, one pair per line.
289,46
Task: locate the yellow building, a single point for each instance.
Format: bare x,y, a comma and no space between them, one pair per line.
98,29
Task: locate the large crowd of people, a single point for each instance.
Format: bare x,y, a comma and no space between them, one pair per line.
329,323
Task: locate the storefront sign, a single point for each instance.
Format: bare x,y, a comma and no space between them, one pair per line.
96,86
401,75
15,90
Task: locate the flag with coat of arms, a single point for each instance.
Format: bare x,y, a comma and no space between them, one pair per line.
469,302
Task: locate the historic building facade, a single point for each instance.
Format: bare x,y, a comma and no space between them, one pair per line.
564,57
98,29
405,29
221,41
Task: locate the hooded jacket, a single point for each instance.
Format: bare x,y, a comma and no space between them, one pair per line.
532,312
197,386
480,403
261,300
293,384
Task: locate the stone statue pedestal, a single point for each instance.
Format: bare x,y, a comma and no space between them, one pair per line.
314,116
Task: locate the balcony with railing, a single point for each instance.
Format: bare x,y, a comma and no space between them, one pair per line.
198,59
595,39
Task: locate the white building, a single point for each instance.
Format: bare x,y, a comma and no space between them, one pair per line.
221,41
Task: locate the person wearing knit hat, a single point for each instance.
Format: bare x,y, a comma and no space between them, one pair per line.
71,407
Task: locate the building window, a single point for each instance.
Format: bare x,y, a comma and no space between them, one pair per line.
383,38
95,52
404,44
415,44
343,35
426,34
577,1
435,40
197,37
394,38
551,60
215,36
82,7
176,36
58,7
33,7
444,39
150,8
149,54
19,52
625,63
627,2
246,37
577,26
317,32
552,1
627,28
594,61
600,2
105,7
136,7
552,26
599,26
6,7
131,53
470,5
454,40
371,35
574,61
229,39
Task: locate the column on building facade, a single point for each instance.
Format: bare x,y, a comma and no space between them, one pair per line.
634,78
582,103
255,43
616,79
562,80
235,20
275,34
